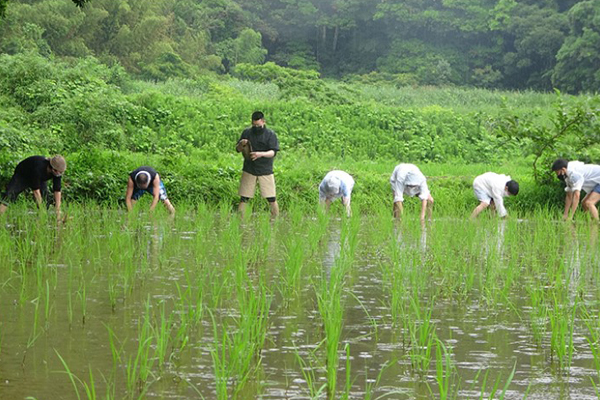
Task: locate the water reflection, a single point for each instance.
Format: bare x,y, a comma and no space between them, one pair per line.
334,246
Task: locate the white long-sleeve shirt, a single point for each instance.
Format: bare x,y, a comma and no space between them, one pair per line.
492,185
582,176
407,179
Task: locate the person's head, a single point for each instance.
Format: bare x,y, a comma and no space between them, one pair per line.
512,187
258,119
142,180
559,167
58,165
332,186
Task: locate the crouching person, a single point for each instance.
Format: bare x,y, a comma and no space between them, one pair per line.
33,173
336,184
490,189
146,179
408,180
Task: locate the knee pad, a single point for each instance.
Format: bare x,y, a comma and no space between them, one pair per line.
244,199
271,199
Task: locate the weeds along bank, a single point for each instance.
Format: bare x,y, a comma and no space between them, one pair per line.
101,176
62,107
106,124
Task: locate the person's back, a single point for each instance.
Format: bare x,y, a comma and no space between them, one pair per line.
491,182
345,187
581,176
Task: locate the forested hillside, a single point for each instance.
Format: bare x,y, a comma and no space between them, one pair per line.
507,44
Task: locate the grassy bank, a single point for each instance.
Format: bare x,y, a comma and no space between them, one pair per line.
101,176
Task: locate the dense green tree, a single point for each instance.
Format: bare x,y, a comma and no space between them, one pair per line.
578,60
515,44
533,36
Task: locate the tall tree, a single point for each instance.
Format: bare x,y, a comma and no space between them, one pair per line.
578,60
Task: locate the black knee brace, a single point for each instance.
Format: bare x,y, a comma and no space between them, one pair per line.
244,199
271,199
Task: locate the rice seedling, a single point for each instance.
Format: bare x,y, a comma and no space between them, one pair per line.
446,376
562,323
162,335
308,368
496,385
422,336
331,309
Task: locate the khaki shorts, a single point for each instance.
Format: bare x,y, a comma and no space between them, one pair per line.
265,182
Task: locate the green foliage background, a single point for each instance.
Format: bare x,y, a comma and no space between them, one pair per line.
495,44
107,124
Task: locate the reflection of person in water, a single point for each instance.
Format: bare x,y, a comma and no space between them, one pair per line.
336,184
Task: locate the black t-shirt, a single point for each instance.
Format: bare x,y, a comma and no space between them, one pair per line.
149,170
36,169
261,140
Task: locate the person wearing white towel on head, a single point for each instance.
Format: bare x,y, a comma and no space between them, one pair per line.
146,179
579,176
490,189
407,179
336,184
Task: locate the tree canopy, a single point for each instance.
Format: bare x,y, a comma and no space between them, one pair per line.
508,44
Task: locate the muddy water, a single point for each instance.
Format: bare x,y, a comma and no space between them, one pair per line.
486,323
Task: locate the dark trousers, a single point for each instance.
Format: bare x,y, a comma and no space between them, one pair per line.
16,185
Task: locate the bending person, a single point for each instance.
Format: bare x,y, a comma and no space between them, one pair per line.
408,180
490,189
579,176
146,179
32,173
336,184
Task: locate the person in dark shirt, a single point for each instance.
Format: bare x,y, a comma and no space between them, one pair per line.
32,173
146,179
259,167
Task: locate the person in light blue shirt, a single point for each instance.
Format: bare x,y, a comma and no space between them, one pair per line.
336,184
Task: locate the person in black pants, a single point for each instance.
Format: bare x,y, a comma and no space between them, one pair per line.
32,173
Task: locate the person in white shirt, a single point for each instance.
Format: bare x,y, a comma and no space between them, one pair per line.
490,189
408,180
336,184
579,176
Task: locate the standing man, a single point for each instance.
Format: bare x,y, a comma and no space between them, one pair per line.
32,173
336,184
490,189
259,166
579,176
408,180
146,179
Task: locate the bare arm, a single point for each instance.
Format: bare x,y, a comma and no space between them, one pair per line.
264,154
423,209
346,203
574,203
57,202
568,201
155,192
240,143
37,195
398,208
128,194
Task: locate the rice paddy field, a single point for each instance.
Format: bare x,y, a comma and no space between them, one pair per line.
108,305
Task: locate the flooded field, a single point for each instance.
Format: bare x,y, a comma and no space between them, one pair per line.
204,305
